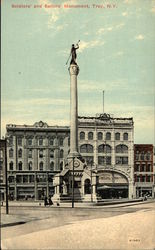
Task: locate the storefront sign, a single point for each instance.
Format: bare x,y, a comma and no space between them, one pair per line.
112,178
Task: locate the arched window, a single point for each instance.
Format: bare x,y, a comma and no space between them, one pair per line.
61,153
30,165
117,136
41,164
86,148
61,141
51,165
20,153
10,141
51,153
29,141
11,165
30,153
51,141
20,165
108,136
19,141
61,165
148,156
68,141
40,142
104,148
121,149
100,136
142,156
40,153
125,136
90,136
82,135
10,152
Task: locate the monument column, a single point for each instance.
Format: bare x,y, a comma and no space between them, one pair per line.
73,70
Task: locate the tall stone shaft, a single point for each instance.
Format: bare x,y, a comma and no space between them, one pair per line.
73,70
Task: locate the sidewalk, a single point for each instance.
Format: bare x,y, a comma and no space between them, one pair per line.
128,231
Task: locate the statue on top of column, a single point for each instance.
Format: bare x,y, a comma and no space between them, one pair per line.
73,54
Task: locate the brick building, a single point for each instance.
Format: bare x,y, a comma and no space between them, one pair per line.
143,170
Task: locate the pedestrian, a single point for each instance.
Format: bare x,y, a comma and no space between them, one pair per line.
45,201
50,202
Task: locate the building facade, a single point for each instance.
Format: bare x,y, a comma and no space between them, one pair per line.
2,169
37,153
143,170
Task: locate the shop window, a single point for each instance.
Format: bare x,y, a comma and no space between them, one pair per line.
108,136
19,141
121,149
41,166
61,153
82,136
11,153
117,136
100,136
20,165
11,165
30,165
125,136
30,153
51,165
90,136
20,153
86,148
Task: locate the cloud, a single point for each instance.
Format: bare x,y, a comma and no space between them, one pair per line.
90,44
139,37
104,30
125,14
153,9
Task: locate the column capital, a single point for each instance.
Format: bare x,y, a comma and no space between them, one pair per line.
74,69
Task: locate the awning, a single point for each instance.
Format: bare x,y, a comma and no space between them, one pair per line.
111,187
64,172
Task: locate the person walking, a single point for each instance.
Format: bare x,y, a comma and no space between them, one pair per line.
50,202
45,201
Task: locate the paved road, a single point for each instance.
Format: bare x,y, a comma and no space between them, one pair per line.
41,218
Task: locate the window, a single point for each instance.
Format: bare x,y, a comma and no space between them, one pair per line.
101,160
148,156
61,141
100,136
143,178
104,148
19,141
51,142
11,179
121,149
104,160
142,156
11,141
61,165
20,153
148,178
148,168
142,168
25,178
31,178
89,160
108,136
68,141
51,165
51,153
61,153
125,136
138,178
30,153
86,148
90,136
41,166
11,165
40,142
121,160
10,152
82,136
30,165
20,165
40,153
19,179
117,136
29,141
137,168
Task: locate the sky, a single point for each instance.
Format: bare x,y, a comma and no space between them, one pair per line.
116,54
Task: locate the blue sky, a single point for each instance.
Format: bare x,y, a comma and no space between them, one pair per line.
117,55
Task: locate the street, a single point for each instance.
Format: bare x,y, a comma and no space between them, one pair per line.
54,222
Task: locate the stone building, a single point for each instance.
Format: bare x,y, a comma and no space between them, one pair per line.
2,169
37,153
143,170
